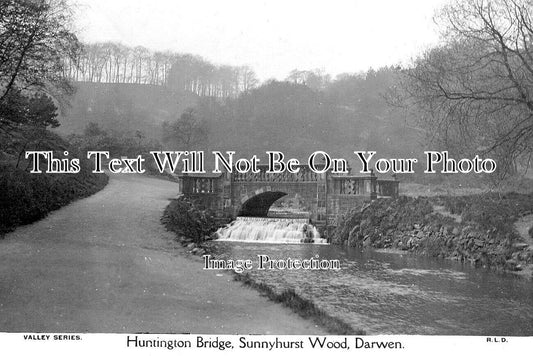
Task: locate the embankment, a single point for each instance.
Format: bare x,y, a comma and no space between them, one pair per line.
26,197
476,229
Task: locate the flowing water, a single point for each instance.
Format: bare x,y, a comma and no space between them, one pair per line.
391,293
269,230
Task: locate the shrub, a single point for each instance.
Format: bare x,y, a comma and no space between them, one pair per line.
491,211
25,197
183,217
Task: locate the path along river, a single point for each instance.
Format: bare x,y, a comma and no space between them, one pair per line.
107,264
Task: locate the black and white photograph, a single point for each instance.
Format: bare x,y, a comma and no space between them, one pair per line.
266,176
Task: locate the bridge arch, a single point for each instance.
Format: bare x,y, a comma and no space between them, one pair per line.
259,204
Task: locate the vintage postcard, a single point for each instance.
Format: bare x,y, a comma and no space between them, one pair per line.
266,176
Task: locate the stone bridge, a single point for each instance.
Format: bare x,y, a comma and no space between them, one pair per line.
322,197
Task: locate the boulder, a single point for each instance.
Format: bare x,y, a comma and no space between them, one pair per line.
479,243
520,245
213,236
512,265
198,251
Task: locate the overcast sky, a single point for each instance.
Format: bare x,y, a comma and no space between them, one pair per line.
273,36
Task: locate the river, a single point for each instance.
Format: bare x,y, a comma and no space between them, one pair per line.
392,293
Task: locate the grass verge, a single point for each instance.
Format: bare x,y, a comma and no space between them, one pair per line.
301,306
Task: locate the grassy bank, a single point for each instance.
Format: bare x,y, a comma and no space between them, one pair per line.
301,306
25,197
476,229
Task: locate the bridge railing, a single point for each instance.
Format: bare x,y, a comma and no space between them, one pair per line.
199,185
304,175
369,186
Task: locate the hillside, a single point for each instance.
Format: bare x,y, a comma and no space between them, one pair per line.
289,117
123,107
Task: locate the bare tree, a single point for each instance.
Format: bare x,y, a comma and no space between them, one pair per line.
475,90
115,63
248,79
316,79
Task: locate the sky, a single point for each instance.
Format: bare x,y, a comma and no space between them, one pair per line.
274,36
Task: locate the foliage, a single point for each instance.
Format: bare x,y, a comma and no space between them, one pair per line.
35,37
93,130
123,108
296,119
127,143
185,132
37,110
317,79
25,197
492,210
184,218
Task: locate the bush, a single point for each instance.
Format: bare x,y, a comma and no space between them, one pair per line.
491,211
183,217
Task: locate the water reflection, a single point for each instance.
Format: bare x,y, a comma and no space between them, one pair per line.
387,293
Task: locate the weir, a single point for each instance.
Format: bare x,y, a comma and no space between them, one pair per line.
270,230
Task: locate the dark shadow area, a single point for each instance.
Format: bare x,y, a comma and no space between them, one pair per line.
258,205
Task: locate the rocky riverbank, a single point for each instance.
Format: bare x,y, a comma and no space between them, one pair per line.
475,229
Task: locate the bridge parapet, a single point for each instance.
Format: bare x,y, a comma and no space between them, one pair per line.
367,185
323,196
200,184
348,192
304,175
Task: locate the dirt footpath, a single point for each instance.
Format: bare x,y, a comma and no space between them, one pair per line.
106,264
